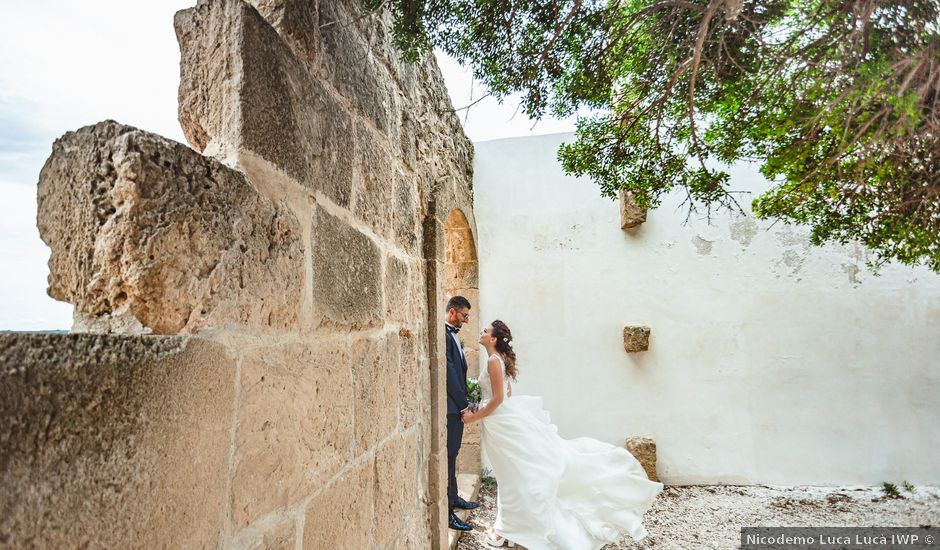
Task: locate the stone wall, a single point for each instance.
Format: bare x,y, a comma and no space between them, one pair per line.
267,371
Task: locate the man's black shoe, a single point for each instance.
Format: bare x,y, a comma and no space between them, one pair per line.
455,523
465,505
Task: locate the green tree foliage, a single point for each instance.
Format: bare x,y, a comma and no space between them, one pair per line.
838,100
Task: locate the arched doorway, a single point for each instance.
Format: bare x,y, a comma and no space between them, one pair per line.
461,277
451,268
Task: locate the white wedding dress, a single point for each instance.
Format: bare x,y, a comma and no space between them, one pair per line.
555,493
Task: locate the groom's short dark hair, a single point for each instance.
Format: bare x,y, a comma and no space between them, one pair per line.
458,303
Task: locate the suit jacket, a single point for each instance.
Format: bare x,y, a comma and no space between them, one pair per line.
456,377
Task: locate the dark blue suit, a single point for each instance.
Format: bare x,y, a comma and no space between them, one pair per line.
456,402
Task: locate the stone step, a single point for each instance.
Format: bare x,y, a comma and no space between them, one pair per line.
468,487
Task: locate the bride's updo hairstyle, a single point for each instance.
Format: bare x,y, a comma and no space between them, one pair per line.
503,339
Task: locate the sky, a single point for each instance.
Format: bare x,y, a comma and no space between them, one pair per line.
65,64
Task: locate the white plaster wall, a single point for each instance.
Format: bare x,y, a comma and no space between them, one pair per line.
771,361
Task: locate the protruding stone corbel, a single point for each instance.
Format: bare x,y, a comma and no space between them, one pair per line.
631,215
636,338
644,450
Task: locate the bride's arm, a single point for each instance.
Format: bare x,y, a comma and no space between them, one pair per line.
496,379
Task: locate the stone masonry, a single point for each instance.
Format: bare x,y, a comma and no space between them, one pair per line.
262,364
636,338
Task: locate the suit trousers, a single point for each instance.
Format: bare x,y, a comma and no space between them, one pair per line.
454,438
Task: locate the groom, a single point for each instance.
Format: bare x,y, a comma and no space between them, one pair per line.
458,311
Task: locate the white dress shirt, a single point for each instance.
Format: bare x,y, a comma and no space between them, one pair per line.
456,341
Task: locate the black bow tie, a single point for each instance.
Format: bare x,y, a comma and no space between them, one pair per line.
452,330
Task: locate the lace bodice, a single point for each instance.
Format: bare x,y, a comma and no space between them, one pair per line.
486,386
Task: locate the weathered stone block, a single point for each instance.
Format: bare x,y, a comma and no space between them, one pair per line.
113,441
636,338
405,213
342,515
143,227
437,497
460,245
413,472
210,70
631,215
294,425
355,71
372,186
432,240
347,283
411,393
461,275
398,283
281,537
469,460
409,148
296,22
644,450
243,89
375,370
389,489
416,534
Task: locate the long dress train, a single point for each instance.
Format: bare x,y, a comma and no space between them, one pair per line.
555,493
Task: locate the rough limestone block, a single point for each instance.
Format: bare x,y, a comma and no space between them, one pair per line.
469,460
389,489
412,395
437,498
458,275
459,241
405,214
372,186
417,533
631,215
397,290
413,472
356,73
347,278
280,537
143,228
409,146
375,371
294,428
636,338
297,23
343,515
644,450
113,441
243,90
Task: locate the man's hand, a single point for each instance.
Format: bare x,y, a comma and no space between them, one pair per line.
466,415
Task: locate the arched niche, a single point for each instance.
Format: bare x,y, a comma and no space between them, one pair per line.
461,277
451,268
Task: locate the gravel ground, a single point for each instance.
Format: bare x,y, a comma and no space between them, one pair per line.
710,516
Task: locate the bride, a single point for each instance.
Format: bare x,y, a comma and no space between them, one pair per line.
553,493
